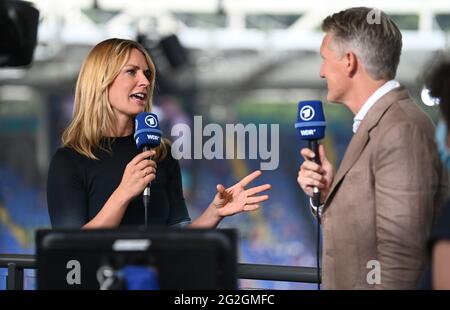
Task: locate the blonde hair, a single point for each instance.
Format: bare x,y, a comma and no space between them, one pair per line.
93,115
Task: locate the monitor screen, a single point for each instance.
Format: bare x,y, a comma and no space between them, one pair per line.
137,259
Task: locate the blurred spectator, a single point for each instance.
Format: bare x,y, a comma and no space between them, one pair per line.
438,83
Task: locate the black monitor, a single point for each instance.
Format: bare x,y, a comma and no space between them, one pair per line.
137,259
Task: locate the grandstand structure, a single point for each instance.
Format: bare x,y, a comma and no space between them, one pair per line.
233,44
259,44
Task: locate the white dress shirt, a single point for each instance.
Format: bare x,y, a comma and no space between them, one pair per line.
380,92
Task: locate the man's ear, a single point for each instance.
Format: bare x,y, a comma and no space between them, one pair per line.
351,63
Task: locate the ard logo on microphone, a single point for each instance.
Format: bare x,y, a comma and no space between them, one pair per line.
307,113
151,121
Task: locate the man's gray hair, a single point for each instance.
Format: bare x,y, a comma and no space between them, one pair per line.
377,42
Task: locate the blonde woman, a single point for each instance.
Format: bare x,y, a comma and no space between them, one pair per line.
96,179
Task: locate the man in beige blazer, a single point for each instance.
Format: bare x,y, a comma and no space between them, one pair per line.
378,209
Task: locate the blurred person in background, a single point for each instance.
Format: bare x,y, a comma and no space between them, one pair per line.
378,209
437,81
96,179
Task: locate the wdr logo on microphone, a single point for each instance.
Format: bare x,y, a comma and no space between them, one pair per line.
307,113
153,137
307,132
151,121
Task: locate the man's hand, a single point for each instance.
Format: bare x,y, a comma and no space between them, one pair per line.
313,175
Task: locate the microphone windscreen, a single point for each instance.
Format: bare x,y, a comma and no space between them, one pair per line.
147,131
310,123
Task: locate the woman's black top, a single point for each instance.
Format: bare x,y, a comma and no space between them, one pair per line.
78,187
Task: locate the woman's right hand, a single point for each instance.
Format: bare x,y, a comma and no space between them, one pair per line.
138,173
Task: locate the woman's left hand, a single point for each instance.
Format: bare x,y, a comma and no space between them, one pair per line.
236,198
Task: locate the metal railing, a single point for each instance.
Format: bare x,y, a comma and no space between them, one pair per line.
16,263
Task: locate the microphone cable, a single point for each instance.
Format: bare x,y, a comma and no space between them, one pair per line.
318,250
314,146
146,195
146,200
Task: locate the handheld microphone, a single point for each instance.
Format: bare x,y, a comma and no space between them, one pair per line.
311,127
147,136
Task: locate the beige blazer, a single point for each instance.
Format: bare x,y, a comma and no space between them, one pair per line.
378,214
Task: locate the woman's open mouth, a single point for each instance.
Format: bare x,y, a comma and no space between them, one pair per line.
139,98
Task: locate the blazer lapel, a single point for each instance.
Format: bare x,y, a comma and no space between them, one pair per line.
362,136
354,149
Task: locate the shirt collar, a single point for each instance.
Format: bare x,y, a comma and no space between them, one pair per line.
380,92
